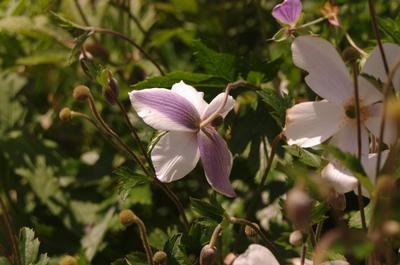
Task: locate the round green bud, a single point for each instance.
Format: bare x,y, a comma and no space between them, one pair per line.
127,218
81,93
68,260
160,258
350,55
65,114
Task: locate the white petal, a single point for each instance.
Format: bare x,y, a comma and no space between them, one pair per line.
163,109
369,164
216,103
346,139
256,255
191,94
373,124
339,177
175,155
368,93
374,64
328,75
311,123
297,261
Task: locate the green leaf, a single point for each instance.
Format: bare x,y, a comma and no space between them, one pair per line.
174,251
355,217
353,164
158,238
205,209
4,261
194,79
304,156
218,64
278,103
390,27
28,247
48,57
377,83
318,213
92,240
136,258
129,179
73,28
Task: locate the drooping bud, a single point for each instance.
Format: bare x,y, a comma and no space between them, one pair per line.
208,255
160,258
250,231
65,114
68,260
85,58
298,208
127,218
97,50
81,93
230,258
296,238
350,55
111,92
331,12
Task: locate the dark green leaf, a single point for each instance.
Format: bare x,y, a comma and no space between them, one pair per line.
213,211
174,251
318,213
278,103
129,179
304,156
390,27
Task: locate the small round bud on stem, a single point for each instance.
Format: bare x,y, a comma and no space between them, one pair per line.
250,231
296,238
127,218
65,114
81,93
68,260
111,91
208,255
85,58
350,55
160,258
391,228
298,208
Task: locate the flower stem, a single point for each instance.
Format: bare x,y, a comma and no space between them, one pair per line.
318,20
353,44
145,240
359,144
271,156
11,232
303,253
131,41
214,236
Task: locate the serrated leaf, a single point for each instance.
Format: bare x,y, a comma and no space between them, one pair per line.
304,156
72,27
318,213
278,103
377,83
390,27
128,180
215,63
28,247
195,79
174,251
205,209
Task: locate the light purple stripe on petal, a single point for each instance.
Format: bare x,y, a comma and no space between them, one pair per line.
170,104
216,159
288,12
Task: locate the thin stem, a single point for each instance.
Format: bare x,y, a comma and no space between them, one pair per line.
216,113
131,41
318,230
271,156
353,44
267,242
83,16
132,16
11,232
359,145
145,240
313,237
303,253
318,20
214,236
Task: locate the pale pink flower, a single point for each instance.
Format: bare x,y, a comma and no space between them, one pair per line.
180,111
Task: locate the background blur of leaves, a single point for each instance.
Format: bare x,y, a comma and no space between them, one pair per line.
62,180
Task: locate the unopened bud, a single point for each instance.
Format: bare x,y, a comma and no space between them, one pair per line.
336,200
298,208
111,92
296,238
97,50
81,93
391,228
208,255
65,114
127,218
68,260
230,258
350,55
250,231
160,258
85,58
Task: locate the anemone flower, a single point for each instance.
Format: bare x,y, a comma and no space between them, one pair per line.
189,122
288,12
311,123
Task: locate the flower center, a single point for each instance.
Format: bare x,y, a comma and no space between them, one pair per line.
351,111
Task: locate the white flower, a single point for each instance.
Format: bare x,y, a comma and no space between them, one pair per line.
183,112
256,255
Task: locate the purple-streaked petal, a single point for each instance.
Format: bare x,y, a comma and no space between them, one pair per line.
191,94
374,64
175,155
216,159
256,255
163,109
311,123
288,12
216,103
327,73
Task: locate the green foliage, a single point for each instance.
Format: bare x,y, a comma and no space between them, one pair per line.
278,103
210,210
28,247
304,156
391,27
